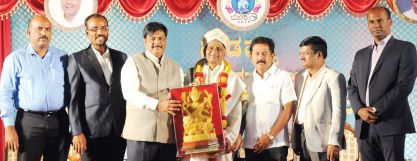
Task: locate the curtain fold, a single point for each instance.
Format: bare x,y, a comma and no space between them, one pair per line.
277,8
138,9
314,8
183,9
358,7
5,49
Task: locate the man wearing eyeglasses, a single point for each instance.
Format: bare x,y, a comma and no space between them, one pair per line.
33,96
97,108
321,108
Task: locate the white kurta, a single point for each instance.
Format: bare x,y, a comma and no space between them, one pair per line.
235,88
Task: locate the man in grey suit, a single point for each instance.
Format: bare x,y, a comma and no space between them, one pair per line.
382,76
321,107
97,108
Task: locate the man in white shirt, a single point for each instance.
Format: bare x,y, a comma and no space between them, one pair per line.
321,107
271,98
412,13
146,80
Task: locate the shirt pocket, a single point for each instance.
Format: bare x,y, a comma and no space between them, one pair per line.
58,75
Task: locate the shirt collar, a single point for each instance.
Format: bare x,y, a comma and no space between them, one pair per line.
105,55
272,70
382,43
31,51
153,58
307,73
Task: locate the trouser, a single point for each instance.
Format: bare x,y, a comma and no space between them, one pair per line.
42,134
150,151
272,154
109,148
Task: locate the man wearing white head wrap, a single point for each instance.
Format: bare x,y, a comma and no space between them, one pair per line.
215,69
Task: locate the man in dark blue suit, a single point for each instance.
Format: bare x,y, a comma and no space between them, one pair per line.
382,77
97,110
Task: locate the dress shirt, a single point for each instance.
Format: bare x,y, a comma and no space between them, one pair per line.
31,82
105,63
131,83
376,53
267,97
306,92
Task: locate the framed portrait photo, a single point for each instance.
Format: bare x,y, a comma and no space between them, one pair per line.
406,9
69,14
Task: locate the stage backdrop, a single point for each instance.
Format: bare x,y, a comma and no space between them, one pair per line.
344,34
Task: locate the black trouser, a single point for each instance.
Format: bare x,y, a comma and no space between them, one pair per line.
109,148
305,154
44,135
374,147
272,154
150,151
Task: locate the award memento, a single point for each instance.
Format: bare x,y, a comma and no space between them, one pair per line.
198,126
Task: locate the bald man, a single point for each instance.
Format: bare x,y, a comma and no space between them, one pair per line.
382,77
33,95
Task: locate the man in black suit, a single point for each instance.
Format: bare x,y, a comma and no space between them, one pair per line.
382,77
97,109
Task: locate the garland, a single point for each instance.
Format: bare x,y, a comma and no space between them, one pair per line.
222,83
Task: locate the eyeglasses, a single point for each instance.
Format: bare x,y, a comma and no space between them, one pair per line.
305,53
95,29
39,29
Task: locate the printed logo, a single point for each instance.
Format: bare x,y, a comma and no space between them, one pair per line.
243,15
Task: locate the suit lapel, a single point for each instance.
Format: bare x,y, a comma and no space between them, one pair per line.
384,54
115,64
316,85
94,62
366,61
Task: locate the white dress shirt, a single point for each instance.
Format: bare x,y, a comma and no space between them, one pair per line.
105,63
306,92
376,53
411,14
131,83
267,97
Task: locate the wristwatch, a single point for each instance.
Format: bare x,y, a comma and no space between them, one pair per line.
270,137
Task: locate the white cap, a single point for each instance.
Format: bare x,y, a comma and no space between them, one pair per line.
216,34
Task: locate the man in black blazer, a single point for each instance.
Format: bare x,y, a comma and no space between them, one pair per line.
97,109
382,76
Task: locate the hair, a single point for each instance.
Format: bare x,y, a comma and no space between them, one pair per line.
387,11
152,27
94,15
262,40
317,44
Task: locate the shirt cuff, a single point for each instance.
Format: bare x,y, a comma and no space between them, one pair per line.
152,103
8,121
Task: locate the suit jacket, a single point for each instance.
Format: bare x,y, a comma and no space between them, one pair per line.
391,82
95,107
325,112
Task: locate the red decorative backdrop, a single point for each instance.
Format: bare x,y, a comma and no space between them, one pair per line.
358,7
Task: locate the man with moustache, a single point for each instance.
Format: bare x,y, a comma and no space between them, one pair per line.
271,98
382,76
321,108
33,95
97,108
146,80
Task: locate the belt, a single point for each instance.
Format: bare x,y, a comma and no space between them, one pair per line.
41,113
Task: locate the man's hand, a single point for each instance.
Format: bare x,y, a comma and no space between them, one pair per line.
262,143
332,152
79,143
228,146
237,143
368,114
169,106
11,138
